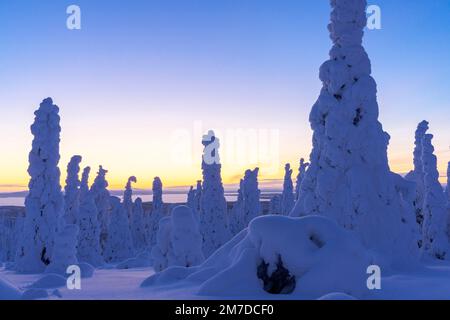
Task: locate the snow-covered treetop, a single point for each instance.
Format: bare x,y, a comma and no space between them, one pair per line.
100,180
422,129
84,185
128,189
73,169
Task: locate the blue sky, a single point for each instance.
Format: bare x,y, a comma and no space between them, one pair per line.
139,70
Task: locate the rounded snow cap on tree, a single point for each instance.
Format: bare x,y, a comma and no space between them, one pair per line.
182,216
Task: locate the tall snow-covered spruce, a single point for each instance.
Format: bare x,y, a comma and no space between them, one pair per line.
247,206
287,197
71,190
157,210
44,203
301,174
436,219
102,202
417,175
349,179
213,216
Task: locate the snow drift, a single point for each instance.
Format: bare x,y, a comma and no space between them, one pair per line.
305,257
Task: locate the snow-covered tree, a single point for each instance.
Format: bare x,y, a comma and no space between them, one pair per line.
248,205
102,202
88,248
138,231
417,175
179,242
436,221
84,184
128,196
157,209
160,250
301,174
349,179
186,240
119,244
72,191
287,197
65,249
44,203
213,216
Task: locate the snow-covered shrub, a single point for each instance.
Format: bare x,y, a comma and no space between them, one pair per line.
193,201
44,203
436,219
301,174
11,227
417,175
179,241
88,248
71,190
349,179
213,217
261,261
65,250
119,245
102,197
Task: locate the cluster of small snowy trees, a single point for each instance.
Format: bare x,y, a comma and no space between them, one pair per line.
431,201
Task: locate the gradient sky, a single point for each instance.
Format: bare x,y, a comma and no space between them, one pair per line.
138,72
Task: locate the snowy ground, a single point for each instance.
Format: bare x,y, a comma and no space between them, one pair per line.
433,282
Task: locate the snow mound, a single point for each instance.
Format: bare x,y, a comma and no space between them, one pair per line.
49,281
306,257
8,291
141,261
337,296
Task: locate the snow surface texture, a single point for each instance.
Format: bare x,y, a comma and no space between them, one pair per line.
436,223
71,190
287,197
349,179
261,261
179,240
213,218
8,291
44,203
119,245
102,197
